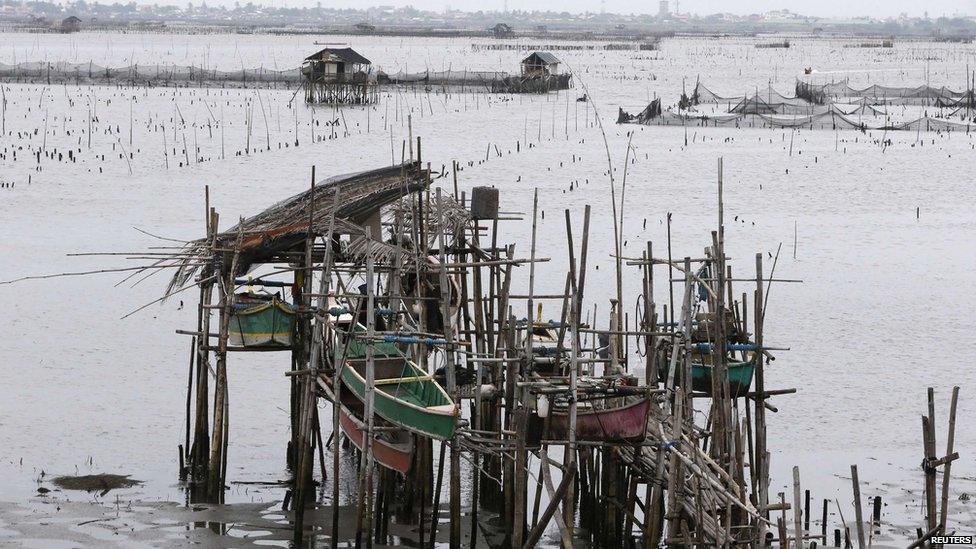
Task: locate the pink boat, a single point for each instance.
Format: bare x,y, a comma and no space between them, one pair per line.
391,449
616,420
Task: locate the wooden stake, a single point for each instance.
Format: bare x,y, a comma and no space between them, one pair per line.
858,516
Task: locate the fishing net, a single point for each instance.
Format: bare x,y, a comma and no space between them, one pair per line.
470,78
832,118
67,73
487,81
793,106
890,95
819,107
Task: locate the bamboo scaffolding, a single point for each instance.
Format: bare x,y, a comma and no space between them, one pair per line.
429,293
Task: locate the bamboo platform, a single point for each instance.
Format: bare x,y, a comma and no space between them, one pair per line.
386,272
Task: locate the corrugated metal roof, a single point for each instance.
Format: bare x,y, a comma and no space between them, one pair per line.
347,55
544,57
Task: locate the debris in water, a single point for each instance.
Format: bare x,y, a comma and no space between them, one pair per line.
91,483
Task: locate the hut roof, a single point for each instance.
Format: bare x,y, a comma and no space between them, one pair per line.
288,223
346,55
71,19
541,58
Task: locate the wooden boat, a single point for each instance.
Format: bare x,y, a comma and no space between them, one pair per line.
545,337
545,343
738,373
615,419
392,448
261,321
405,395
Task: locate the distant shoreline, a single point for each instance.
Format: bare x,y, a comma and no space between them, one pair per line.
596,33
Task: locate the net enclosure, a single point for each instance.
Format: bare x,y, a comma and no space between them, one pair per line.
833,106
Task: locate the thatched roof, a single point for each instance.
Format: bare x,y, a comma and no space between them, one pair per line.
344,55
286,224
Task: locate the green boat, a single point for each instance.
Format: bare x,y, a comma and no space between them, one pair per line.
404,394
261,321
739,375
357,347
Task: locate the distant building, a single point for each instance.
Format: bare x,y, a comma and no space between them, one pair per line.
662,9
338,76
336,65
502,30
365,28
540,63
70,24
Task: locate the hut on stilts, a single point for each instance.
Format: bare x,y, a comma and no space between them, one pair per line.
337,76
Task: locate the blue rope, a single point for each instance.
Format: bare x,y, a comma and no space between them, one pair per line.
413,339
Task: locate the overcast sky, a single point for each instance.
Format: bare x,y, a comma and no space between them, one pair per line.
844,8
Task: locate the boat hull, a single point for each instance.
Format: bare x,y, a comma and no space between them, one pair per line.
269,324
388,453
419,406
739,375
626,422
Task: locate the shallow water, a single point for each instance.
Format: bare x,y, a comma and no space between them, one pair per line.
882,313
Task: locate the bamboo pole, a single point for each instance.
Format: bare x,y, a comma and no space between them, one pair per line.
797,521
185,453
858,517
308,406
370,390
201,436
762,464
215,481
452,389
950,439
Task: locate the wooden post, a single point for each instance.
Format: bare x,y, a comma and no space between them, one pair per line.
518,518
928,438
950,438
518,514
200,453
762,465
308,410
858,516
806,510
452,389
215,481
675,477
577,301
554,499
650,321
823,523
435,514
370,388
797,530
